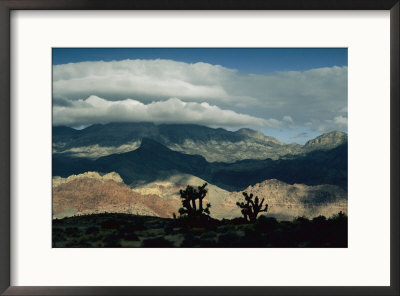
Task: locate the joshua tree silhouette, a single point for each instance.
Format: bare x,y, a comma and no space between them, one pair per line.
189,197
251,208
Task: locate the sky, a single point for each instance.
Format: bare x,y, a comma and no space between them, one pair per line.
291,94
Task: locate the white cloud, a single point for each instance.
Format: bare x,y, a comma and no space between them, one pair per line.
315,96
340,120
143,78
337,123
98,110
288,118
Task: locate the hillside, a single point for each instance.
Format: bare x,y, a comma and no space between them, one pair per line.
153,161
82,195
91,193
215,145
326,141
287,201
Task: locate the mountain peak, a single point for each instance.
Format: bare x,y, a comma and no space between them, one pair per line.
250,133
91,175
256,135
148,143
327,141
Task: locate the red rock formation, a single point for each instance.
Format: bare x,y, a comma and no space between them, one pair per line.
89,195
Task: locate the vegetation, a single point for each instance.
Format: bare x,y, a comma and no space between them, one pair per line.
189,197
195,228
124,230
251,209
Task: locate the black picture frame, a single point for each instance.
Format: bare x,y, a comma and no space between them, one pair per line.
8,5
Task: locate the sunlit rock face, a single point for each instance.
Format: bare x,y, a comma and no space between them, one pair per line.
90,193
92,175
169,189
326,141
287,201
284,201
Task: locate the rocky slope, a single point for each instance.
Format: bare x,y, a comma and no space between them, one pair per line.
91,193
215,145
326,141
287,201
92,175
169,188
153,161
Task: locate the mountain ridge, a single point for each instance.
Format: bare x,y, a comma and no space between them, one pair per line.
326,141
152,161
90,193
216,145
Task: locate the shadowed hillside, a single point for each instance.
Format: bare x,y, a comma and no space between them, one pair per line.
316,167
153,161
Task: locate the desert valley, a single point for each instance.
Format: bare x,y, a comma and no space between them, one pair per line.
140,168
199,147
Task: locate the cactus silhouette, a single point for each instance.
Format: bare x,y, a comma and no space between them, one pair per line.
189,197
250,209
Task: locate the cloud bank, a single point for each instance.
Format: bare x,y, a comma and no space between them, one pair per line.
316,99
147,79
98,110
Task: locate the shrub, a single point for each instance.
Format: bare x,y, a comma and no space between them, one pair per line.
319,220
302,220
191,241
189,197
131,237
92,230
158,242
250,209
109,224
229,239
112,238
236,221
266,224
72,231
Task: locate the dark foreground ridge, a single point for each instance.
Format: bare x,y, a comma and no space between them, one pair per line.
124,230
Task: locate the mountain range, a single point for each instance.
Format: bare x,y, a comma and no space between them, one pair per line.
215,145
139,168
322,160
153,161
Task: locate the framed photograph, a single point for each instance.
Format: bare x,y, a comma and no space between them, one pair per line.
197,167
253,146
